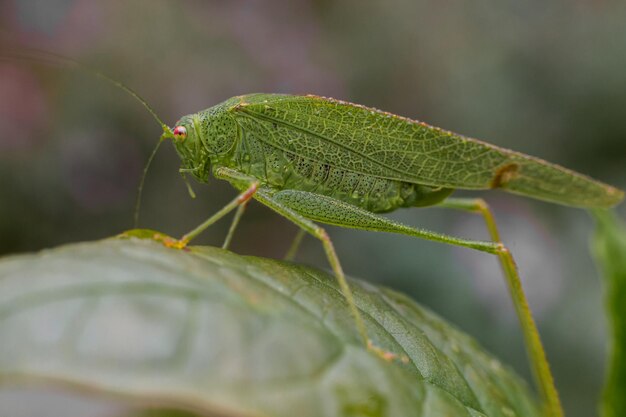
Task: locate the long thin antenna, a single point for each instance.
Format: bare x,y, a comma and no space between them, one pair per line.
51,58
143,179
36,55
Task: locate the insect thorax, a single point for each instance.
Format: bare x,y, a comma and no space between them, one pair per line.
212,134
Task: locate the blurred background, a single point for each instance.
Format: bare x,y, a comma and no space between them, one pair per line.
542,77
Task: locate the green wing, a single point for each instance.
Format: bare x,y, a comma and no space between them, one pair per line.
369,141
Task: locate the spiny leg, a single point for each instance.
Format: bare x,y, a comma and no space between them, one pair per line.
234,224
242,198
295,245
540,366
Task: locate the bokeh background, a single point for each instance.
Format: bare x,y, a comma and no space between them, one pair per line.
542,77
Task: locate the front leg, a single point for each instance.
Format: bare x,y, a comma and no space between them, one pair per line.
247,185
242,198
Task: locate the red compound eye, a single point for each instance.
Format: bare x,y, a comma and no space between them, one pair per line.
180,132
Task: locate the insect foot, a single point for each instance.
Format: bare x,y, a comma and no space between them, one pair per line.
165,240
170,242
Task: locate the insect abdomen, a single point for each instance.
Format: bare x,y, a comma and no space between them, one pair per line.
371,193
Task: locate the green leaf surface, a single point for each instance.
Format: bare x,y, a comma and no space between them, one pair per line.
205,329
610,252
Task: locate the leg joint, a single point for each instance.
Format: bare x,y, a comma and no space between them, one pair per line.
247,195
481,205
321,233
503,250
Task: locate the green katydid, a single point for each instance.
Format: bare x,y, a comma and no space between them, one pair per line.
315,159
318,160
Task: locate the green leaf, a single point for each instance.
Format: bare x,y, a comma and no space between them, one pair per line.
205,329
610,251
